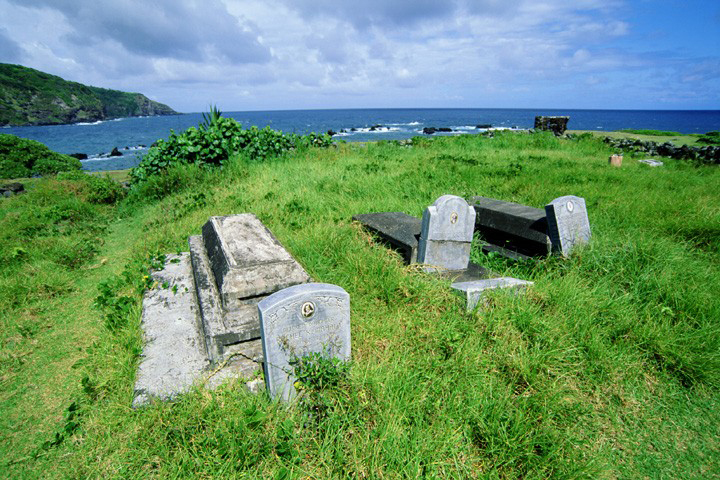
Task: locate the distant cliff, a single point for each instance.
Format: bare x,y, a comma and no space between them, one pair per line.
31,97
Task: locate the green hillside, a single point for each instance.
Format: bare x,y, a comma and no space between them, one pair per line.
31,97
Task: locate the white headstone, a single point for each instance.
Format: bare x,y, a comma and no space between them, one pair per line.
446,234
296,321
568,223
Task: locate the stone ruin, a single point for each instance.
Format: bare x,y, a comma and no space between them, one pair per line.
557,125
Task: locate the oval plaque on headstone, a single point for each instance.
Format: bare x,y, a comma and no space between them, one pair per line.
296,321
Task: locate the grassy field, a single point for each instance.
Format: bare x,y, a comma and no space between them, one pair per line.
608,367
681,139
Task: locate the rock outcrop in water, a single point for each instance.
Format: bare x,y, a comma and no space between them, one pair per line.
32,97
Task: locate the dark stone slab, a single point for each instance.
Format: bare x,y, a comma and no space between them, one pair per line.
399,230
511,254
512,226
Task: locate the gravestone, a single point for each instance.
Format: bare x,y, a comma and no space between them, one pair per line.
296,321
568,223
446,234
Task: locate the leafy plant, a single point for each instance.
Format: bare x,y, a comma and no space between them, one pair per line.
710,138
215,140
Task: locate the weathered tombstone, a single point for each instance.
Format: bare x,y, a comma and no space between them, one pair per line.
568,223
446,234
615,160
247,260
296,321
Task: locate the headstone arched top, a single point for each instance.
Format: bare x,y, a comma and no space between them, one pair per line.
446,233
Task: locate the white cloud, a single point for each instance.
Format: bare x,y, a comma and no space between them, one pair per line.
245,54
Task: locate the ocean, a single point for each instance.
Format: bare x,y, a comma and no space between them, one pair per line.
132,136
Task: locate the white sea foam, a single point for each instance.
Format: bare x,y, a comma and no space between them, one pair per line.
90,123
376,130
411,124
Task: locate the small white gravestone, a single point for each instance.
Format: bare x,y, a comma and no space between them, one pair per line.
296,321
568,223
446,234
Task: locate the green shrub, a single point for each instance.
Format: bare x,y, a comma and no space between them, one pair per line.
710,138
214,141
20,157
94,188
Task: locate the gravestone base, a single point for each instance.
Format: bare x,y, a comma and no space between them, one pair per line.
475,290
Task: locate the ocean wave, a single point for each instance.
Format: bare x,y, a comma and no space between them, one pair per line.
90,123
410,124
376,129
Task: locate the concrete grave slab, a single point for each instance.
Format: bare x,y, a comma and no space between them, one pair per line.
247,260
475,290
296,321
446,234
568,224
208,328
174,356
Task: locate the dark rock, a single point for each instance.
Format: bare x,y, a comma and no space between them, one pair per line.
429,130
375,127
444,129
10,189
115,152
331,132
79,156
484,125
557,125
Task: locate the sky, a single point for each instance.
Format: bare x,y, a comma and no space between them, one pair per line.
245,55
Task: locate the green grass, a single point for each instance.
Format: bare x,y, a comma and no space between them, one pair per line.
656,136
608,367
653,133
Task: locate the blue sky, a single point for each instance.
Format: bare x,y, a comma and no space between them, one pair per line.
295,54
